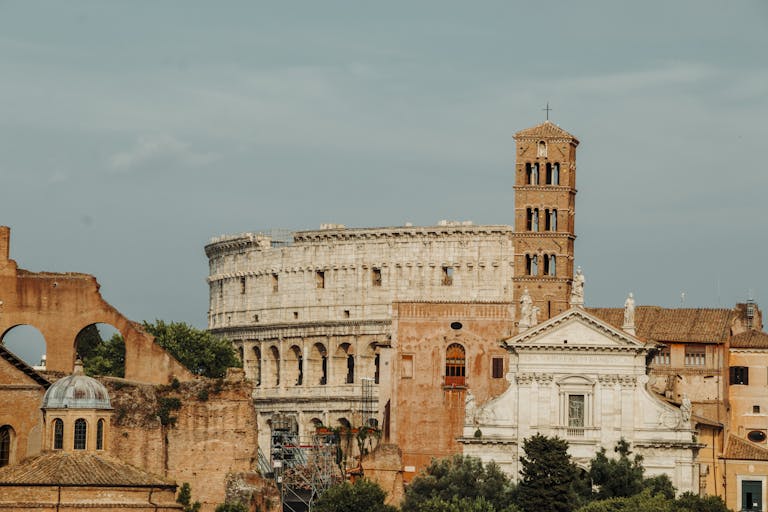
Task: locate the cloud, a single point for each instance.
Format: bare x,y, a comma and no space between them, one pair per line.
159,148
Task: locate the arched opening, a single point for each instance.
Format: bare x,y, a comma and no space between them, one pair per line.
80,434
532,264
275,366
27,343
556,174
455,365
6,444
548,168
100,435
241,353
101,347
344,364
344,422
374,357
319,364
542,149
294,366
256,366
58,434
534,174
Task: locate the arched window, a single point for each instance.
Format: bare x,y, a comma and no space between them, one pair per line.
256,367
275,377
531,264
535,219
100,435
542,149
6,435
534,174
548,178
58,434
552,265
455,365
556,174
81,431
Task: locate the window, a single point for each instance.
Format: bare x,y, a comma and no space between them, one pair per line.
295,315
542,149
242,286
5,445
81,430
346,313
376,277
752,495
350,369
575,411
550,220
739,375
497,367
407,366
447,276
755,409
320,279
376,364
100,435
695,356
531,264
275,283
550,265
455,370
58,434
555,174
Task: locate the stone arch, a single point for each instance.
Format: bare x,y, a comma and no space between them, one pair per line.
87,345
273,370
344,364
294,366
27,343
255,366
372,361
318,365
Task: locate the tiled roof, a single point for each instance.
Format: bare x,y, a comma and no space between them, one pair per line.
692,325
545,129
750,339
74,469
741,449
23,367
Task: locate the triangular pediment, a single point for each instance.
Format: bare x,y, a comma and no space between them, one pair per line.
575,328
545,130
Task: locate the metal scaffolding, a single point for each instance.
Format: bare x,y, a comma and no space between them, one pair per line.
303,469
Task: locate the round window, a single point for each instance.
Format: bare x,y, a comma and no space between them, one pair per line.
756,436
456,326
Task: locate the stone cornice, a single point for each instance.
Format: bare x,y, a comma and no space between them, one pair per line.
545,188
545,234
488,440
304,329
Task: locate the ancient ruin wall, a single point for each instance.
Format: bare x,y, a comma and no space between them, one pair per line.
60,305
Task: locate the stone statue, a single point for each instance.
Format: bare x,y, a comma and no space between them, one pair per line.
526,310
629,310
685,409
469,408
577,290
535,315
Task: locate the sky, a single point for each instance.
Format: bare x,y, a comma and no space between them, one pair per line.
133,132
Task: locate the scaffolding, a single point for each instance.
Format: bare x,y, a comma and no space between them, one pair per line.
368,404
302,469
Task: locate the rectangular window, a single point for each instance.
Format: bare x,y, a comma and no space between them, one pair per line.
320,279
662,358
739,375
498,367
242,286
447,276
755,409
695,356
275,283
407,366
575,411
376,277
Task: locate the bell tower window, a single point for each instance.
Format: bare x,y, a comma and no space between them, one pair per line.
532,173
542,149
531,264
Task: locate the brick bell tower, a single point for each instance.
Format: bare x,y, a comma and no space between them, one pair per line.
545,207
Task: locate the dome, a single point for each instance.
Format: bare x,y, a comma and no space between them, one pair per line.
77,391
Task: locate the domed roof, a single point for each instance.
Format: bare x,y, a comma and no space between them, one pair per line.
77,391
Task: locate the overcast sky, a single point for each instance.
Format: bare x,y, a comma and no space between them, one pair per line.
133,132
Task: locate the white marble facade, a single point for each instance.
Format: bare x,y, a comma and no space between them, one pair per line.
576,377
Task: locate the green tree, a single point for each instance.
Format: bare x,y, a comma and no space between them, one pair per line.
232,506
620,477
362,496
185,499
459,477
455,504
101,357
200,351
643,502
689,502
549,478
660,484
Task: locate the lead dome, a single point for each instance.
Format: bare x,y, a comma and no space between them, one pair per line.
77,391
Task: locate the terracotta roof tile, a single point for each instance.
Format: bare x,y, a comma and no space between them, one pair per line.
691,325
70,469
545,129
741,449
750,339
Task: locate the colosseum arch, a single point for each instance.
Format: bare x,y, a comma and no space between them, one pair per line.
99,333
60,305
318,365
344,364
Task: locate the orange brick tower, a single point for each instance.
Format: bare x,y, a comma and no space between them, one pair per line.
545,206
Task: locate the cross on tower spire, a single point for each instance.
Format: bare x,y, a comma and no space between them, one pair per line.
547,109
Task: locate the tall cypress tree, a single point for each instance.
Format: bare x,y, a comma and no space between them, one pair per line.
548,478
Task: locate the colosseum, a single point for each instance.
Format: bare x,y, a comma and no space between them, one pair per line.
311,312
